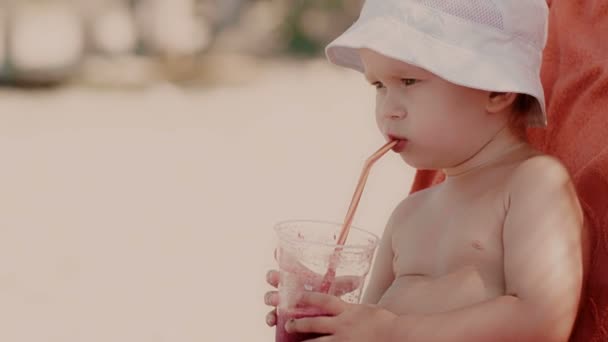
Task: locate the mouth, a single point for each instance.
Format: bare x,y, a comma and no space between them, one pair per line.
402,143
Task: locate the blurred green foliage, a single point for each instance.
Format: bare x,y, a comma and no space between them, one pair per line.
296,29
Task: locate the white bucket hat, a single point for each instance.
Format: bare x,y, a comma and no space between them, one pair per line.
493,45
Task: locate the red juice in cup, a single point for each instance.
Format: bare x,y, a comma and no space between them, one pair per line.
284,316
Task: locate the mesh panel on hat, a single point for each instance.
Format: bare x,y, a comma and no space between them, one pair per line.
486,12
478,11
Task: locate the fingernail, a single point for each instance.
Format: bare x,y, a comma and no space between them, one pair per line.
289,324
270,320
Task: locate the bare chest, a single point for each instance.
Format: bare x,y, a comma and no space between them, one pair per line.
444,237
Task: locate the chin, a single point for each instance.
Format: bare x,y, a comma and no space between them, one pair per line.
420,163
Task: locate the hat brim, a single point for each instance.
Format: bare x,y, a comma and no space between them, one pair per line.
466,68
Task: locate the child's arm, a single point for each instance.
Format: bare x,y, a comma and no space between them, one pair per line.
543,258
382,275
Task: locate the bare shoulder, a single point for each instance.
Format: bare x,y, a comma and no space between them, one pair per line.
541,186
537,173
546,180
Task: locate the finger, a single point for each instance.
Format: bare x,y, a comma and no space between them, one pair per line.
271,298
271,318
328,304
319,325
272,278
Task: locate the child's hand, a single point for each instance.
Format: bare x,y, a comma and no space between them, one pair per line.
342,285
346,322
271,298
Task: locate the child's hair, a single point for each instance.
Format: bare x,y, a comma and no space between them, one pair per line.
518,119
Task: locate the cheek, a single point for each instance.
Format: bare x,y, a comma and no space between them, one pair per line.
445,115
442,129
378,119
378,112
430,118
443,132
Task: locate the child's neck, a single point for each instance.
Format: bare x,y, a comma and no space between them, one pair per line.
503,144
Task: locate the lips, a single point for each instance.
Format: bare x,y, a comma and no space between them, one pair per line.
402,143
400,146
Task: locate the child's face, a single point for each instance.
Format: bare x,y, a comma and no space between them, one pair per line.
444,123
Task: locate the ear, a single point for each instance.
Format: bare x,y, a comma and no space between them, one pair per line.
498,102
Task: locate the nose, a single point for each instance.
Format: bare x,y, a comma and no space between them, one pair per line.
396,114
392,109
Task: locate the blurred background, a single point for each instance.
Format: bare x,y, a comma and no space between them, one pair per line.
135,42
148,147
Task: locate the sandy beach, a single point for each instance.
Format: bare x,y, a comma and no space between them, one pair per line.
146,215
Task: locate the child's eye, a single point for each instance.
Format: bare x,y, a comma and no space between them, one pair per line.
409,81
378,85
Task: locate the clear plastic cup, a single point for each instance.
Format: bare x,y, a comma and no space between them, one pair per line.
304,252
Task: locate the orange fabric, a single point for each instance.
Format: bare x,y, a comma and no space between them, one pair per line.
575,78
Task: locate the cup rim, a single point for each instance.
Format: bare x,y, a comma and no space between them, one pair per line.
369,246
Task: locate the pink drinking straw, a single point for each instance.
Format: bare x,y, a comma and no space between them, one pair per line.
331,272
